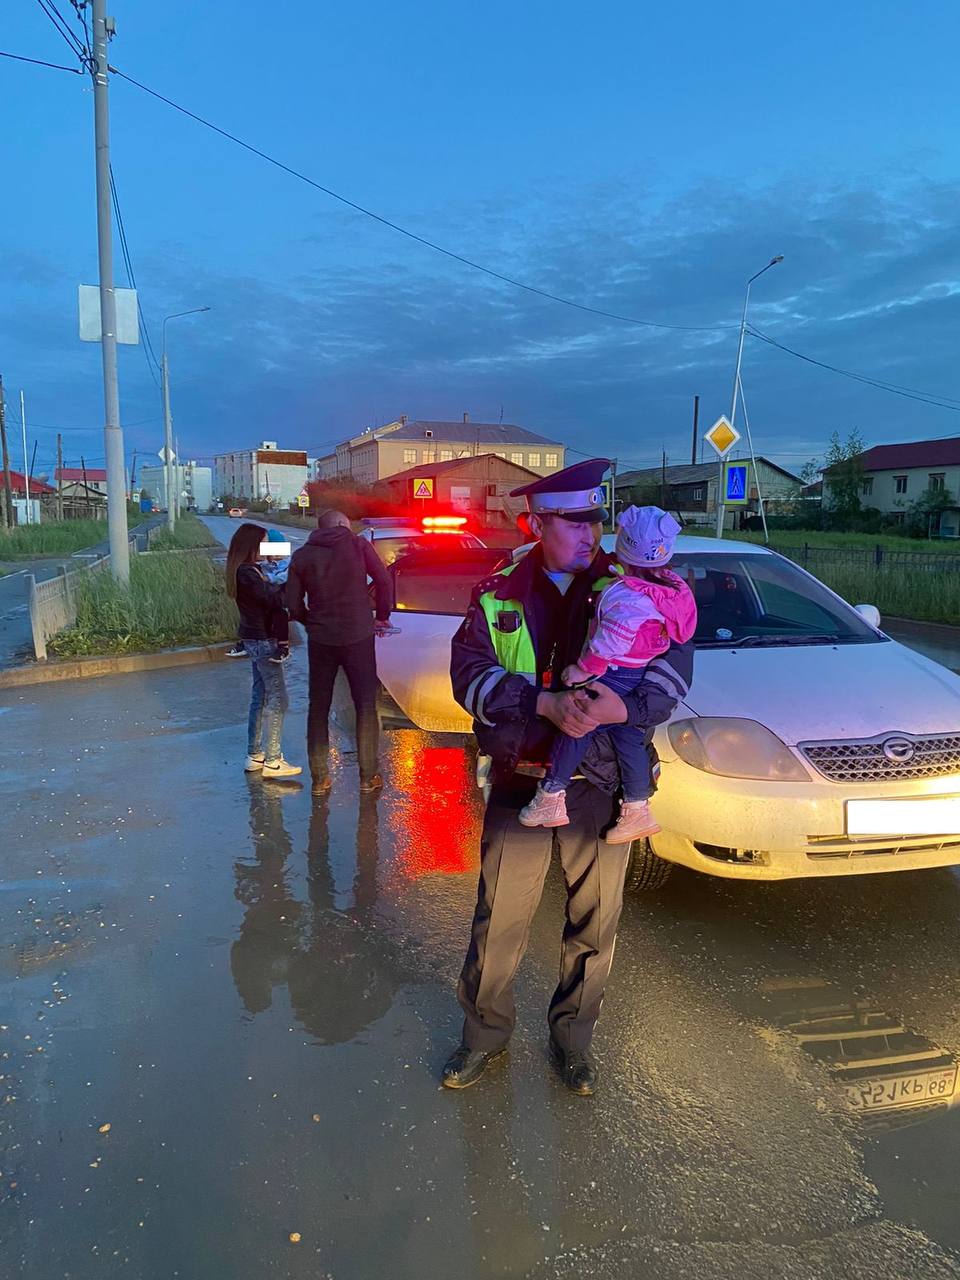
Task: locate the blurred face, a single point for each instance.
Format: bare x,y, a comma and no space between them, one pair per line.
569,546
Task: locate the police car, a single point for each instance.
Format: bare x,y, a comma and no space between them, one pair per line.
392,537
810,744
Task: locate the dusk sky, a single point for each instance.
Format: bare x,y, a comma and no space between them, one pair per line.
637,158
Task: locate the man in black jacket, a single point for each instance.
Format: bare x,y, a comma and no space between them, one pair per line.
523,626
327,591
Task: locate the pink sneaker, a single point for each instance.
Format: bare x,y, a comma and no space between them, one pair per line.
634,822
546,809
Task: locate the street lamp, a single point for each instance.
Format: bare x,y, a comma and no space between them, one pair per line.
167,420
736,381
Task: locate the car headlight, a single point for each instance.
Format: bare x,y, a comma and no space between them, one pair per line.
735,749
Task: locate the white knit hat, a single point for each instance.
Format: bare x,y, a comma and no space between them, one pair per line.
645,537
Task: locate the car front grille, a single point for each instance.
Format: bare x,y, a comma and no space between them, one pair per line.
866,760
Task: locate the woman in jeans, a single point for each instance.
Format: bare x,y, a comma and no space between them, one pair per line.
264,632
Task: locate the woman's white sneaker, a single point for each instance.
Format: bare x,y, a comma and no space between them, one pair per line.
281,768
254,762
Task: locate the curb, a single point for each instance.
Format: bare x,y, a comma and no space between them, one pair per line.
115,664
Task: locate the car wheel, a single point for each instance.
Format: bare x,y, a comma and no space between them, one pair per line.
646,870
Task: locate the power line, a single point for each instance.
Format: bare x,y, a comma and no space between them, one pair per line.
39,62
60,25
412,235
147,345
909,393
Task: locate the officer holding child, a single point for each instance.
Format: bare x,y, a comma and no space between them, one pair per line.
528,627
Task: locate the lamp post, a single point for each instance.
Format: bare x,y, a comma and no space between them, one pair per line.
167,419
736,383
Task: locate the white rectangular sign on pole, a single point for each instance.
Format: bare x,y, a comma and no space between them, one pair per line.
128,326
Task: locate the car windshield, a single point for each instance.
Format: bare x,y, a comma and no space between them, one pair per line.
442,580
388,549
765,601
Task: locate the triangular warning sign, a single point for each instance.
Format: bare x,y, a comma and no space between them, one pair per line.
423,489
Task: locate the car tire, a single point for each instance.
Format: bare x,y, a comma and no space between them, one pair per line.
646,870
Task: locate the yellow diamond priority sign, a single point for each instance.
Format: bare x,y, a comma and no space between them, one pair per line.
722,436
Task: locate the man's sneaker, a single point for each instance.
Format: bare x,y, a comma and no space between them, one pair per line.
281,768
373,783
634,822
254,762
282,654
237,651
546,809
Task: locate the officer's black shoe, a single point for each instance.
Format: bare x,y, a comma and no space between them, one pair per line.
577,1070
465,1067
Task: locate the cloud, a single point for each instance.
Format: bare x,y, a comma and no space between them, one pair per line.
356,331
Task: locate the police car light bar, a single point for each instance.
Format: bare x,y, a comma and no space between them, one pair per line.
444,522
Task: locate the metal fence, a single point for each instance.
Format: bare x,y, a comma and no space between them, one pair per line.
53,603
877,557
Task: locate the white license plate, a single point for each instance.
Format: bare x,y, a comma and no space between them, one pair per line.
903,1091
925,816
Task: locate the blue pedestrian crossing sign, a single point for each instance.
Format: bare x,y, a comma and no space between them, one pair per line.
735,484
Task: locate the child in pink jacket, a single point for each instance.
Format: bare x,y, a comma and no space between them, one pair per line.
638,617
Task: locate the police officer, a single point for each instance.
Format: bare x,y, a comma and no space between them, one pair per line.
524,625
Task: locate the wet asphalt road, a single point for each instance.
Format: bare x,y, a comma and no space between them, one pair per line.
255,992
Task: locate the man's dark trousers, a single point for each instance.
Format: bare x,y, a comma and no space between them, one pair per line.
513,865
359,664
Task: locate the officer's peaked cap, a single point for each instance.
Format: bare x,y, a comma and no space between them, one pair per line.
573,493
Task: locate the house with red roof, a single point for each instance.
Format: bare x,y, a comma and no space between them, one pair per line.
895,476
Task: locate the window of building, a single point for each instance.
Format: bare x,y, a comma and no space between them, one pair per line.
899,517
491,490
938,481
533,459
499,455
517,458
866,486
409,457
428,455
698,495
901,483
446,455
551,460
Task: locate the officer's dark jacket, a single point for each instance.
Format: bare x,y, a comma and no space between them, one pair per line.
504,705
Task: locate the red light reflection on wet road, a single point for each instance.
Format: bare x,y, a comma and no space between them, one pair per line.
436,823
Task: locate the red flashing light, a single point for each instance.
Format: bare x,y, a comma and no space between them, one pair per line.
444,522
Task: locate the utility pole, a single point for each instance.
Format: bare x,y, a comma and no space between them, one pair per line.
7,491
59,476
112,431
177,475
663,479
613,496
167,440
696,419
26,469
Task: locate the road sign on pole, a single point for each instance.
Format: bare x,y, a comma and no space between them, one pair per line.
423,488
735,477
722,436
303,498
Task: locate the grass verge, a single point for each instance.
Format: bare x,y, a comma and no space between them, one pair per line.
189,533
54,538
925,597
850,541
172,600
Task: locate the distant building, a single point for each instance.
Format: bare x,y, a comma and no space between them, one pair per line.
479,487
81,481
22,513
691,489
381,452
262,474
895,476
194,482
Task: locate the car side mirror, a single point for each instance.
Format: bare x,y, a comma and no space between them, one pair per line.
870,614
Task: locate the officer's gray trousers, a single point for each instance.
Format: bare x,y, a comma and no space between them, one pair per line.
513,865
